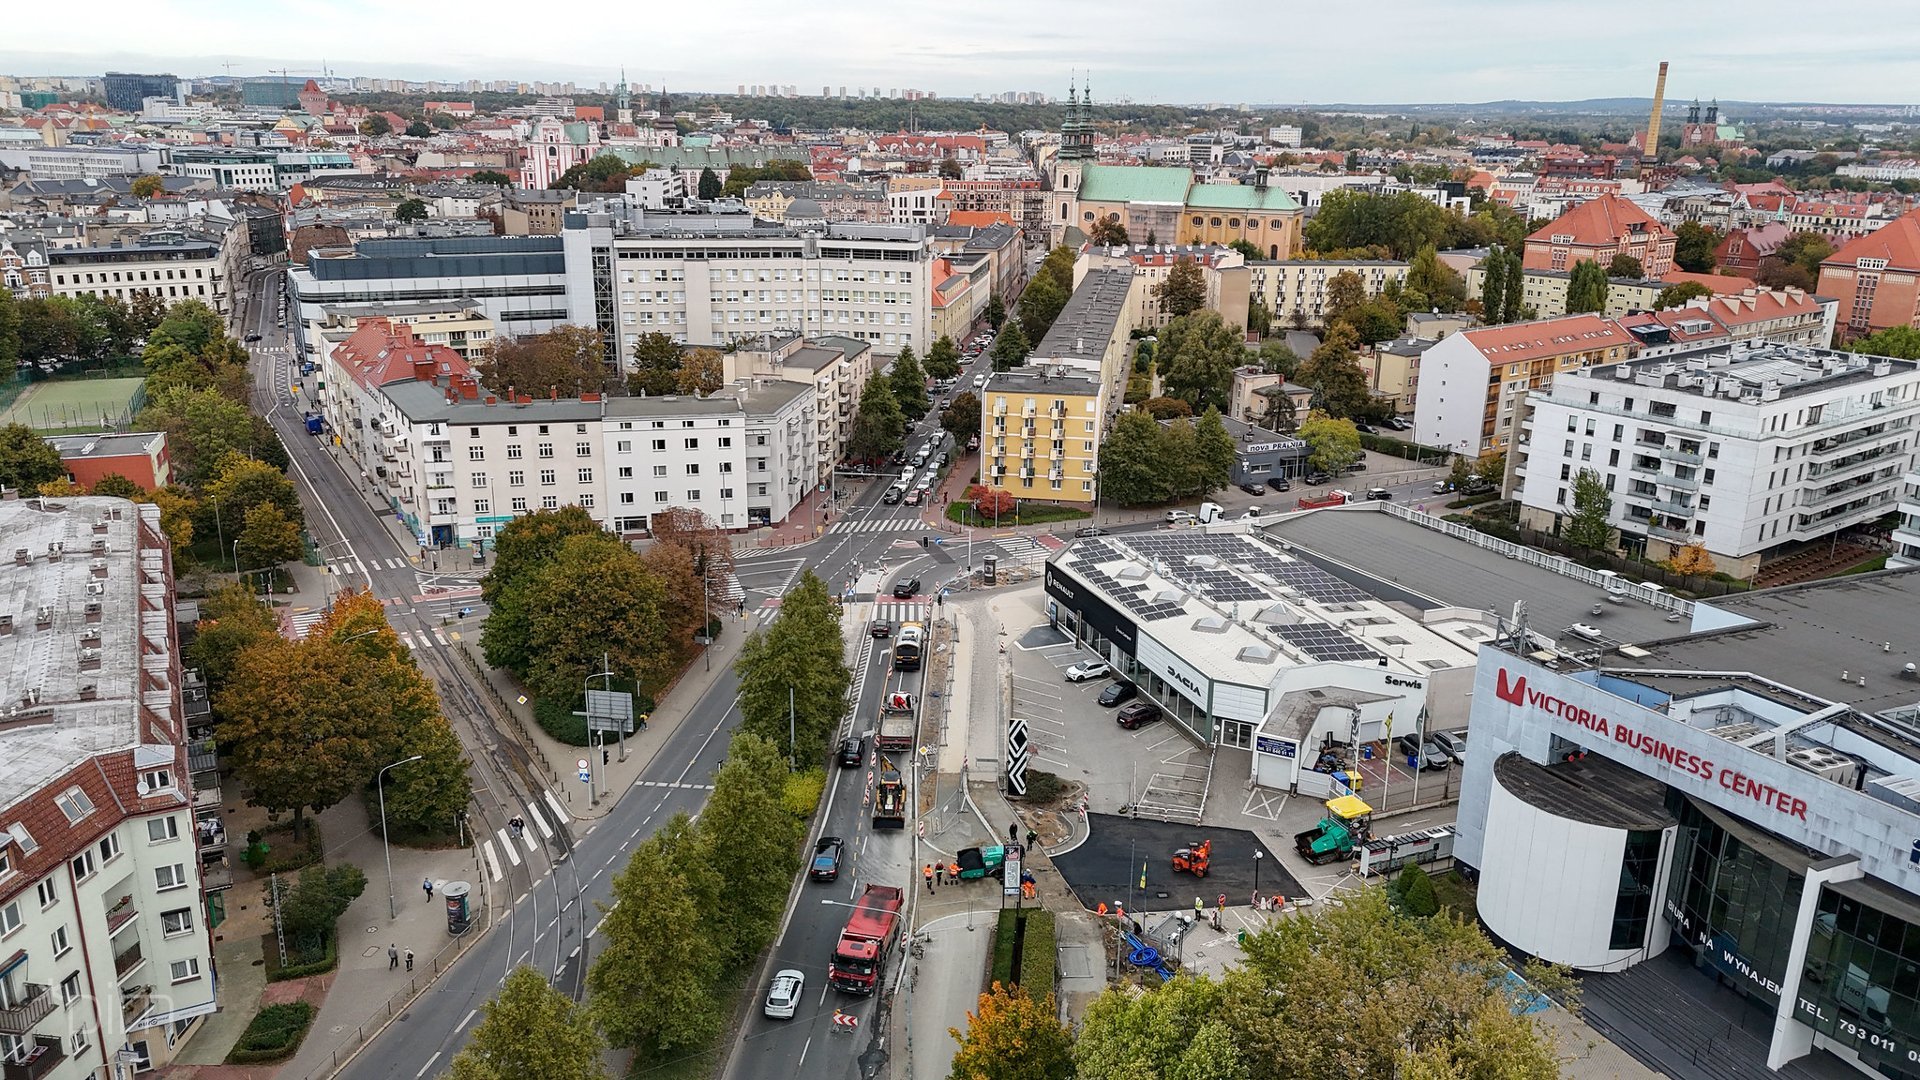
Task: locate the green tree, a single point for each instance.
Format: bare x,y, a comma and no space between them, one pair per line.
491,176
376,125
310,910
1108,232
1184,290
527,543
1279,414
1625,266
1443,287
595,599
116,485
709,187
909,385
799,653
570,358
410,210
241,484
1677,295
1133,469
878,425
1259,317
202,427
962,418
1587,525
1346,294
1214,450
26,461
442,121
1586,287
1334,372
1415,892
232,620
1693,247
1249,250
419,129
1176,1031
1276,359
1796,262
1180,457
752,845
607,173
1012,347
147,186
1402,223
267,538
652,984
9,330
943,358
1333,444
1040,304
1513,303
951,170
996,312
1900,342
426,797
656,364
531,1031
1166,408
1013,1036
1197,356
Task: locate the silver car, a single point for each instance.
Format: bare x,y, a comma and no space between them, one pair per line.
1453,742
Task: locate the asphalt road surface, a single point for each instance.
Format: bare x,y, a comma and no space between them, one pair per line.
1110,865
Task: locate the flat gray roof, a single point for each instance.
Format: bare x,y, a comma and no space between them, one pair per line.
811,358
673,405
424,401
104,445
1593,790
1088,320
1036,382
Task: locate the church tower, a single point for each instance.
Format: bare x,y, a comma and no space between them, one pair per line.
622,100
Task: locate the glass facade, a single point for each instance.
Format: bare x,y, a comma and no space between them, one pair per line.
1861,986
1633,904
1731,905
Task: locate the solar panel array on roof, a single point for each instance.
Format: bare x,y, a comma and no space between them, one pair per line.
1200,560
1322,642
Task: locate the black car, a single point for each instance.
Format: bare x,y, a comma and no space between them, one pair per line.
1279,483
1359,465
853,751
1316,478
1363,426
1137,715
1252,488
881,628
826,859
905,590
252,338
1115,693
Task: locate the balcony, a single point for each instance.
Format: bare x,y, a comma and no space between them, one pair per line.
34,1060
1682,456
1671,534
1854,441
1679,483
1672,509
134,1001
128,960
34,1004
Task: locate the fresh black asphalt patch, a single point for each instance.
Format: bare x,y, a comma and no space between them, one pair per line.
1107,868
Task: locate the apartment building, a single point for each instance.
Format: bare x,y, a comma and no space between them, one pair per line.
1471,382
536,212
1093,334
139,456
520,282
972,265
1040,433
837,368
187,270
1597,230
1745,449
743,456
103,923
1876,278
713,279
1295,290
460,325
1222,269
1906,533
769,200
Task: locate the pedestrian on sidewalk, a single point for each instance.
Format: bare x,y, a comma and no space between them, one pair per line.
427,884
409,959
927,872
393,957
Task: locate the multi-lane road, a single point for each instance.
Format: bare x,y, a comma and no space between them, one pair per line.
548,887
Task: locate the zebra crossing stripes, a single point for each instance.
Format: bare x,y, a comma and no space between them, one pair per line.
346,567
899,613
1021,547
422,640
492,860
878,525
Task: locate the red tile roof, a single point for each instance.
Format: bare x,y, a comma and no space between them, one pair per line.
1757,305
380,352
1519,342
980,218
1720,283
1600,221
1898,242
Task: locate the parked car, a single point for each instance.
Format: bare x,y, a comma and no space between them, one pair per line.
881,628
783,997
1365,428
1137,715
853,751
1252,488
1357,465
1426,753
1316,478
826,859
1399,424
905,589
1179,517
1115,693
1089,669
1453,742
1279,483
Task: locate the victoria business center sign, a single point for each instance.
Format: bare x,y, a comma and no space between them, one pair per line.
1523,704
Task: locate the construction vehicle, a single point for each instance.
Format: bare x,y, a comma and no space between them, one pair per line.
889,797
907,644
1343,829
1390,853
1194,859
978,862
899,719
1315,502
870,932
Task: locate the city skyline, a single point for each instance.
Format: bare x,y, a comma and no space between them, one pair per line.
1482,50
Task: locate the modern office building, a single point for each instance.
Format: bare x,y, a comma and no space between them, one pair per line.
105,961
125,90
1745,450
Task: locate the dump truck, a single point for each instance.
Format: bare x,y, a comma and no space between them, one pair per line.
889,797
1337,834
1315,502
864,942
899,718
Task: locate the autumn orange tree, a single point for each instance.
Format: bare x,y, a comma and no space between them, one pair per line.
1693,560
568,359
990,502
1011,1036
709,549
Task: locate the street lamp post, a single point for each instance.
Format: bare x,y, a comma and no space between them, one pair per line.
1258,856
380,783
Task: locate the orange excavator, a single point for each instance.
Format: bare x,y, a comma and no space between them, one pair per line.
1194,859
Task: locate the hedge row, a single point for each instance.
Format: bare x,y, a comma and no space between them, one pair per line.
275,1033
1401,448
327,961
1037,951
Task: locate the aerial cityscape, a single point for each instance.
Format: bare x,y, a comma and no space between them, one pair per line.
696,559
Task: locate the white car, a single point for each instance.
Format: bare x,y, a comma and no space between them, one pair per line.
1089,669
783,997
1179,517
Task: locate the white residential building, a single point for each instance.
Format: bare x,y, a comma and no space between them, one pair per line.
1295,290
1741,449
103,937
742,456
835,367
191,270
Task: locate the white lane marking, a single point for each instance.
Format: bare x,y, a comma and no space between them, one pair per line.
462,1025
428,1065
506,845
559,812
493,864
540,822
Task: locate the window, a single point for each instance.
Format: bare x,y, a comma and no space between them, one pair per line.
586,501
549,502
70,989
476,453
693,494
546,477
82,866
693,469
61,946
660,446
79,1041
519,506
177,921
163,828
516,478
513,453
626,498
74,803
48,892
169,877
585,475
693,444
21,836
546,449
483,506
480,480
185,970
9,918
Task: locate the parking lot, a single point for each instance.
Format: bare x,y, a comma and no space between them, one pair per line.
1156,771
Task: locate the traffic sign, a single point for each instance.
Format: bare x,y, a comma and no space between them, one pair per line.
586,777
581,764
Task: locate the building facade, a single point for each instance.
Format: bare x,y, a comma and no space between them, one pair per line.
1876,278
139,456
1040,434
1598,230
1295,290
1472,382
553,146
191,270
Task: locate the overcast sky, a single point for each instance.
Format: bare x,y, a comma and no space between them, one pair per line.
1148,50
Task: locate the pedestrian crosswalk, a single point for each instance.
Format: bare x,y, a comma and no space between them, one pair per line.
899,613
345,567
879,525
1021,547
423,639
510,840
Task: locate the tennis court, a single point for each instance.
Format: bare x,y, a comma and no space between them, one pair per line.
76,406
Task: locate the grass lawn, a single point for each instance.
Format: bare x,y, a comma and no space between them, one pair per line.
1452,890
1032,513
1878,562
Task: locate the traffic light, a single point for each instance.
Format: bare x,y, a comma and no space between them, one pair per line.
606,756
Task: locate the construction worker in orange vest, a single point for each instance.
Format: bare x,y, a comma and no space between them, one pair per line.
927,872
953,872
